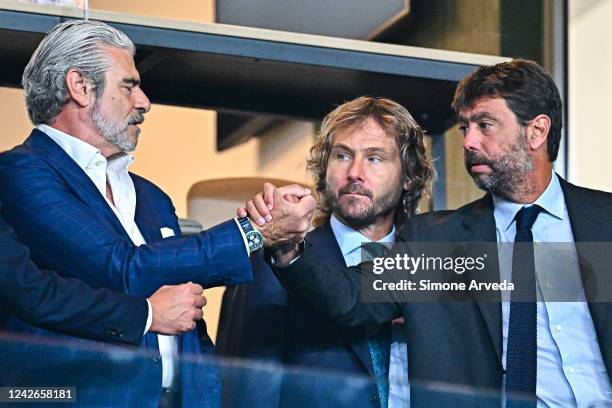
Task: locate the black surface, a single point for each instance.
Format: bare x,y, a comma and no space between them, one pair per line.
232,74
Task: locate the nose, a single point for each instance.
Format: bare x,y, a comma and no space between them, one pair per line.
141,101
355,170
470,139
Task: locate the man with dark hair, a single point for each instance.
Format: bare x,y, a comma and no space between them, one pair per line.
370,171
547,353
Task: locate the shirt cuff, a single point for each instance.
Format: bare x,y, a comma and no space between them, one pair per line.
273,262
246,244
149,318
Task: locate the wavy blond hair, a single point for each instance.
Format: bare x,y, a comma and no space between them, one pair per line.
396,121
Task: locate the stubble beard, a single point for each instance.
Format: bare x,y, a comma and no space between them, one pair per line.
115,132
366,215
510,171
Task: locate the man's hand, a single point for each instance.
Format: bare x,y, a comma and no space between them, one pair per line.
282,214
177,308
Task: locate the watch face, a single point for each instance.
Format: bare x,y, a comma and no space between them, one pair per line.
255,240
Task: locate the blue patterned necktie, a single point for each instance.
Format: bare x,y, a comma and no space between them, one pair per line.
379,345
380,352
521,356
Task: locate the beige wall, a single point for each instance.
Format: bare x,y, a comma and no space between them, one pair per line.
590,93
14,118
201,10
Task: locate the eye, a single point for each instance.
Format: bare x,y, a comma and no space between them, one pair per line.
342,156
374,159
463,128
484,125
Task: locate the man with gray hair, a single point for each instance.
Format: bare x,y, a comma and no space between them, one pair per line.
69,196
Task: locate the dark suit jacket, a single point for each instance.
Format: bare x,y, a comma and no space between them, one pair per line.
64,305
259,321
57,211
458,343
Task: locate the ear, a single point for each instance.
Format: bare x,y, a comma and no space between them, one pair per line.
80,89
537,132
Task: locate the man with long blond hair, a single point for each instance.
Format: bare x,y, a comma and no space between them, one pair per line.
370,171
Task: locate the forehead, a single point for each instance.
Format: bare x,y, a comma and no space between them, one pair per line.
368,134
496,107
122,63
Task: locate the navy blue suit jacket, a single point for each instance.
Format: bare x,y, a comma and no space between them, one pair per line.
259,321
58,212
66,305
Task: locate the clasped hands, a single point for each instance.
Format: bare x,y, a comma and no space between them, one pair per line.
282,215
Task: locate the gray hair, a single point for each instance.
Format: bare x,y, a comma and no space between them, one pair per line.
70,45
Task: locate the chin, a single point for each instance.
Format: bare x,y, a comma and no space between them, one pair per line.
355,212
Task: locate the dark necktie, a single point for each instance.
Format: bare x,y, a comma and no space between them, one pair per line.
521,356
379,344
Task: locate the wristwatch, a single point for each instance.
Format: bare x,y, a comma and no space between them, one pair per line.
254,239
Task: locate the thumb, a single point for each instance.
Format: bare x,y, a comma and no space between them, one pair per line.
294,189
291,198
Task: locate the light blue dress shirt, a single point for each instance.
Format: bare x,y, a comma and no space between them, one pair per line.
350,242
570,368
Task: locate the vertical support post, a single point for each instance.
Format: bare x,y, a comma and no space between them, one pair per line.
438,153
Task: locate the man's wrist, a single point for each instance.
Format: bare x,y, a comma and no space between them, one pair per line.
285,254
253,239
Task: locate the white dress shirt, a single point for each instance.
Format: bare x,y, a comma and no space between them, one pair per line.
350,242
570,367
115,170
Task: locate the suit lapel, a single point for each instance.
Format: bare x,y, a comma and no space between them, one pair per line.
75,178
588,225
479,225
145,219
324,240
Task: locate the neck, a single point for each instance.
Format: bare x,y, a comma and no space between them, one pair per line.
533,186
375,231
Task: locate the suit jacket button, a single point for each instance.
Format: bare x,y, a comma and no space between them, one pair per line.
113,332
374,398
157,359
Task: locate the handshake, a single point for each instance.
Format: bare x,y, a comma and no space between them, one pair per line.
282,216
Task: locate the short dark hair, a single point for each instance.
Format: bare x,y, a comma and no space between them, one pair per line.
527,89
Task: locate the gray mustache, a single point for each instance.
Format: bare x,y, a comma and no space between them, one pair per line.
136,119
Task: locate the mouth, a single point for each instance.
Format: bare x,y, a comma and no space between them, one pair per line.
350,197
479,167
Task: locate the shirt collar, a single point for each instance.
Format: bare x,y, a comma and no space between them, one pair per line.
120,162
348,239
83,153
551,200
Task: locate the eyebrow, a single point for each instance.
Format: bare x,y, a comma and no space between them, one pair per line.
369,150
131,81
478,116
